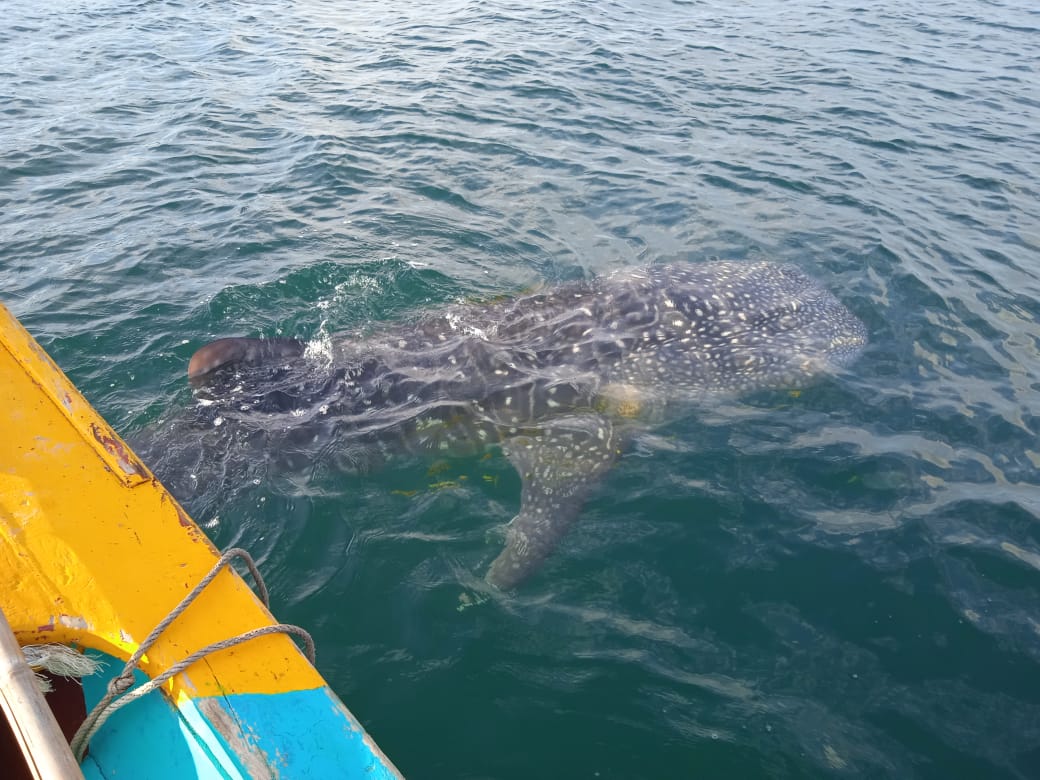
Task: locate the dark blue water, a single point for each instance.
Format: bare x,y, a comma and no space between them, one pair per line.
843,582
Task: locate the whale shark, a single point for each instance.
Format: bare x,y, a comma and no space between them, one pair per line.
559,378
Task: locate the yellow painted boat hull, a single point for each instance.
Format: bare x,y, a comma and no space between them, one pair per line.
94,553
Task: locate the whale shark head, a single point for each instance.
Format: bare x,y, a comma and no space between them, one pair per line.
730,328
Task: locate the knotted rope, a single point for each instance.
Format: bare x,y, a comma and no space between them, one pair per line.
121,683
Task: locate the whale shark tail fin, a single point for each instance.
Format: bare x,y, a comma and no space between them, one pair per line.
235,351
559,463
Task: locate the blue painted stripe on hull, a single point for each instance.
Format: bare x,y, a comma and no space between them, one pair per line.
309,734
294,734
147,739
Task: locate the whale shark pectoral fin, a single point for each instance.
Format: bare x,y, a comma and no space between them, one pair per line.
232,351
559,464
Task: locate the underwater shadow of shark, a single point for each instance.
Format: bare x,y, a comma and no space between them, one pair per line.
559,378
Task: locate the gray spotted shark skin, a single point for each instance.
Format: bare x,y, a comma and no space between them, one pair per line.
559,379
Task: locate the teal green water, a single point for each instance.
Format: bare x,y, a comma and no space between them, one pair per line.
840,583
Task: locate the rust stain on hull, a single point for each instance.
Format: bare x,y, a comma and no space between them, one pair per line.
125,459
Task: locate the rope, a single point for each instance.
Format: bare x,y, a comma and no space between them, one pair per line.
58,660
122,683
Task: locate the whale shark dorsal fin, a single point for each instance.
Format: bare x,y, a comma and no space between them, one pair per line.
233,351
559,462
